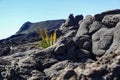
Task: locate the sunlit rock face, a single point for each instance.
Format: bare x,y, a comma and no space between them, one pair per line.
86,49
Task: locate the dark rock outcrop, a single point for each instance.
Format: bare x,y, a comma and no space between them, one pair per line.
78,18
99,17
102,40
84,26
87,49
111,20
94,27
70,21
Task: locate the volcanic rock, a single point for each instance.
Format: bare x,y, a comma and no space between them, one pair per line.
86,49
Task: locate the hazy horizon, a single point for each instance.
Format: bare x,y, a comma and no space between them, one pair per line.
15,13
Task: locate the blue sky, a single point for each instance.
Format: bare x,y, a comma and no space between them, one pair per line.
13,13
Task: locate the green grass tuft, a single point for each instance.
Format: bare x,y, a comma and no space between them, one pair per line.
46,40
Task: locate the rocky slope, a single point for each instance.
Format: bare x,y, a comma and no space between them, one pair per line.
87,49
27,32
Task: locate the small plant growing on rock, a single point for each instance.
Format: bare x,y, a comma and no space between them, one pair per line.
46,39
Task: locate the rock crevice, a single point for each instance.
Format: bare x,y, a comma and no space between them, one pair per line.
87,49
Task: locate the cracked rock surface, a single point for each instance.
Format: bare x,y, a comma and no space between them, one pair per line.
86,49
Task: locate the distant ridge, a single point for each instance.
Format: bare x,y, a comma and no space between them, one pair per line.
29,27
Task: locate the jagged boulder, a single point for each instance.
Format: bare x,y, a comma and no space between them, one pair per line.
116,39
56,69
70,21
78,18
84,26
106,68
63,42
83,42
99,17
94,27
111,20
101,41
